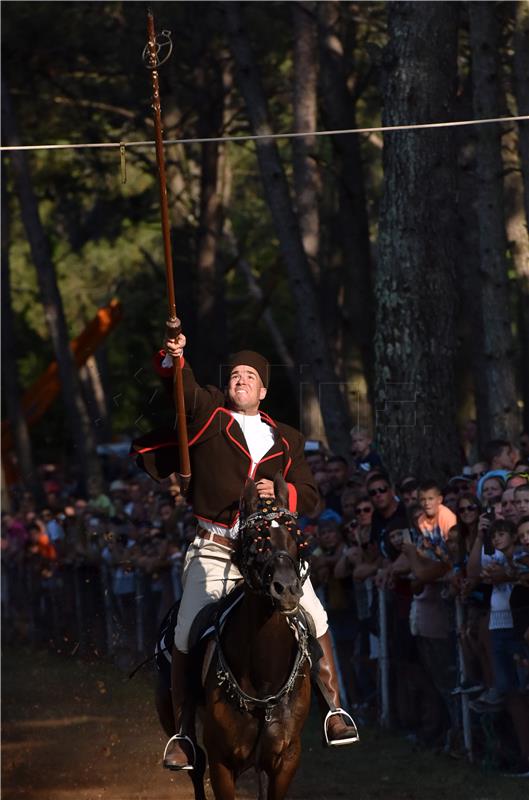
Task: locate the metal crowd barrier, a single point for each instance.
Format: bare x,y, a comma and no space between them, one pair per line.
384,696
74,608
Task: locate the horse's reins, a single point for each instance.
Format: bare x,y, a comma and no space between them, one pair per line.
226,678
260,522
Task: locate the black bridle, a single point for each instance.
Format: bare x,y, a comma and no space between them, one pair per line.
256,554
254,557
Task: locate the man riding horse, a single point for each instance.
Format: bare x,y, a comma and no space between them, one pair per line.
231,440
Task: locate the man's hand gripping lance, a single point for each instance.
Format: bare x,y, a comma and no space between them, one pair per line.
156,53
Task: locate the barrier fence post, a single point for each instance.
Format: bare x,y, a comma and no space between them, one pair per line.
383,660
8,608
465,711
78,609
107,599
30,583
139,593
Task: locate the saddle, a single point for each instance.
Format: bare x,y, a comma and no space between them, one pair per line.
202,629
202,637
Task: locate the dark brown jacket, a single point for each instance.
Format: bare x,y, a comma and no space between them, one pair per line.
220,462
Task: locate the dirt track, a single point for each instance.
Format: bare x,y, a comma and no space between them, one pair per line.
79,731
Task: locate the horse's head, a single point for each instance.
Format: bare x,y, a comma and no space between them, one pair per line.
270,549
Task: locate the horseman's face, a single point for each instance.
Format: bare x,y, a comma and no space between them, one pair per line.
245,390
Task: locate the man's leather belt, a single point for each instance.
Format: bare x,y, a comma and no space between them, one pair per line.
225,541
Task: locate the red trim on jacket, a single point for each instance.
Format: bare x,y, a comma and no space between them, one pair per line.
268,458
268,419
239,445
208,423
154,447
289,462
205,519
292,497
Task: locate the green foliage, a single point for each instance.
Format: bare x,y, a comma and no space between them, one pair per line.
76,76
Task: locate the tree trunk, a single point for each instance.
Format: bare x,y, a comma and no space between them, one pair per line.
339,108
502,415
76,416
518,243
18,424
211,318
314,349
521,82
467,276
415,286
307,180
95,399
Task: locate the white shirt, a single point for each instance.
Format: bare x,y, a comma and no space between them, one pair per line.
259,439
500,609
259,436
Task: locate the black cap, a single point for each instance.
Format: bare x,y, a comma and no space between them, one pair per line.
250,358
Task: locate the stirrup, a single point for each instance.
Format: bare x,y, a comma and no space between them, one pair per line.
340,712
176,738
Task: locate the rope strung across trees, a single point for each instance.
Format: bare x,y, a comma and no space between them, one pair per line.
271,136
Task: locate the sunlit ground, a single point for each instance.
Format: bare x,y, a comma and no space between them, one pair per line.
79,731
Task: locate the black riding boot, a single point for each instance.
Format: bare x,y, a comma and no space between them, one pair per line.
179,750
337,727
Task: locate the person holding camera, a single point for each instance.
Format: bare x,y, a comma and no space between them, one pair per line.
498,568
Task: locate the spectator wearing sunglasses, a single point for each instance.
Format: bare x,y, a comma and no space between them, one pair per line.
468,511
389,513
364,511
476,595
477,471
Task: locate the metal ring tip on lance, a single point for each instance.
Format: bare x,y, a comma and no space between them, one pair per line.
158,52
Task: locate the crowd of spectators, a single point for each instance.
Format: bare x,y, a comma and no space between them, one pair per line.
451,565
99,572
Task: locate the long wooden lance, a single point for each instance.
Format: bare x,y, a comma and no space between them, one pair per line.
156,53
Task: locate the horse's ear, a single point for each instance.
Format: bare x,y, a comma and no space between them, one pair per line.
281,490
250,498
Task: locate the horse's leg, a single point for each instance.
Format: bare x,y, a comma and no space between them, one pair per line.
278,782
222,780
197,775
263,784
164,706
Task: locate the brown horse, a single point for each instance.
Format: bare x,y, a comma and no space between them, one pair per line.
256,693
